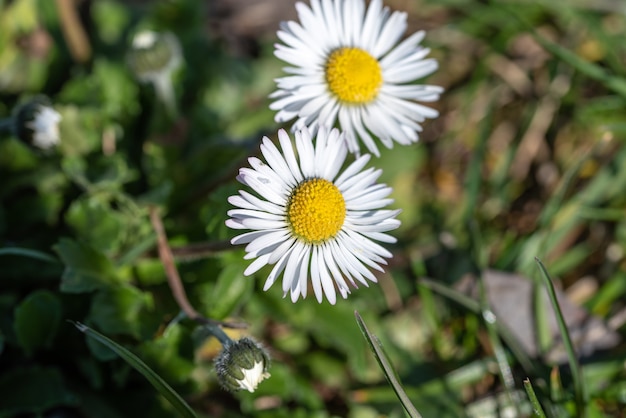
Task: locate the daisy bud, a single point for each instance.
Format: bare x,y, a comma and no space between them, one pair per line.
36,123
242,364
153,57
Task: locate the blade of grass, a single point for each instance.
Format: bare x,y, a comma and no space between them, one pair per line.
490,321
473,175
385,365
25,252
537,410
579,383
159,384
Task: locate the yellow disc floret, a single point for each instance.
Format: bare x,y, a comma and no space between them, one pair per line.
316,210
353,75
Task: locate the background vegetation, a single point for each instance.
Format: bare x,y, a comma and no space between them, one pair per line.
526,160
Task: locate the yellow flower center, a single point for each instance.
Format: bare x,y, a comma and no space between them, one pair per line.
353,75
316,210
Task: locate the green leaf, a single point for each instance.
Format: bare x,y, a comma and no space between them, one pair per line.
111,19
159,384
231,289
385,365
580,390
37,320
119,310
86,269
25,252
96,223
32,391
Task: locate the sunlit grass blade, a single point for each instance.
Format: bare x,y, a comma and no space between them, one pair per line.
184,410
579,383
25,252
537,409
385,365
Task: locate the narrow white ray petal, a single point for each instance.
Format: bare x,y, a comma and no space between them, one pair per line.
235,224
303,272
327,283
379,236
373,191
336,156
405,73
352,169
360,181
264,173
408,46
316,280
356,267
356,120
254,223
277,270
269,240
247,237
276,160
267,190
306,153
260,204
370,218
329,261
344,264
242,202
371,26
256,265
290,279
290,157
365,249
391,33
257,214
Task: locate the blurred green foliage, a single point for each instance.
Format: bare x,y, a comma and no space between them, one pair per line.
527,160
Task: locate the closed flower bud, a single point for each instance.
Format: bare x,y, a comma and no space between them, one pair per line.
36,123
242,364
154,55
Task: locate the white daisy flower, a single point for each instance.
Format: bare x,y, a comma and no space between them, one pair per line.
348,66
310,219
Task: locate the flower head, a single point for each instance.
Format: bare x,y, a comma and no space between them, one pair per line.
37,124
242,364
310,218
154,55
347,66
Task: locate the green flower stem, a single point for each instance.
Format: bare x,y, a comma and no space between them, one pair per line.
6,125
173,278
215,330
165,92
176,284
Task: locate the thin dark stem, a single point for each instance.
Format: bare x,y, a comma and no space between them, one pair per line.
6,125
173,278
